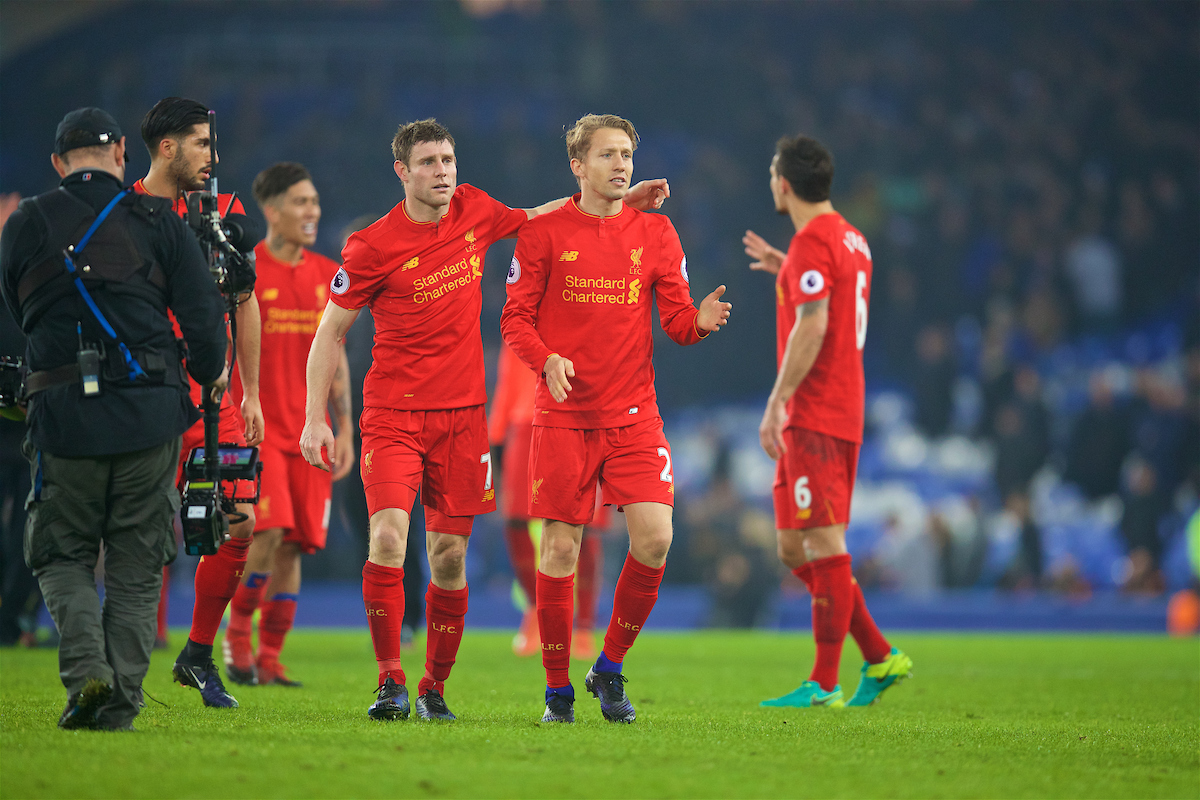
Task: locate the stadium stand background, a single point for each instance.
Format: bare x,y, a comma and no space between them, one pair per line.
1026,174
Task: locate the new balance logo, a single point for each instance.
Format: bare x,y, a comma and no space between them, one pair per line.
412,263
569,255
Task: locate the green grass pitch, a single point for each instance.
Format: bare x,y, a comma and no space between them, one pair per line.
984,716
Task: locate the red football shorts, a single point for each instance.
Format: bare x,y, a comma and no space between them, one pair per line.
814,480
443,453
514,486
232,431
295,496
632,465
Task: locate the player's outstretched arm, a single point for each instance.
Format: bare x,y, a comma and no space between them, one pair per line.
646,195
803,345
766,258
339,408
323,360
714,312
249,343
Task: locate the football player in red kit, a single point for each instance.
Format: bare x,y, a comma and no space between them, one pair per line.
292,287
510,426
176,132
419,269
813,422
578,313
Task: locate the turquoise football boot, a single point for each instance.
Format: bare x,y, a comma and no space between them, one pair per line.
877,678
810,694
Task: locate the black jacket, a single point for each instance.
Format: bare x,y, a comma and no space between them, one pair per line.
126,416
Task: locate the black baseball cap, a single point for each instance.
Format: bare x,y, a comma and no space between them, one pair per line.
86,127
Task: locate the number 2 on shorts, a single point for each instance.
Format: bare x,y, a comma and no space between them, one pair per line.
665,476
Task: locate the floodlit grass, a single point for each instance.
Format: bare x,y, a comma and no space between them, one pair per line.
984,716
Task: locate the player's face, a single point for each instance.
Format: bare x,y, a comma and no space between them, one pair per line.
777,186
431,173
191,164
607,169
294,214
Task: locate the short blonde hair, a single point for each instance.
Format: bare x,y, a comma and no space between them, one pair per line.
579,138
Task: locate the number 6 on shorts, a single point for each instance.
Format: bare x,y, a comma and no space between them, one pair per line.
802,493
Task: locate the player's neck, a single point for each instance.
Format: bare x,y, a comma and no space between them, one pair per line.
283,250
803,213
158,183
423,212
598,205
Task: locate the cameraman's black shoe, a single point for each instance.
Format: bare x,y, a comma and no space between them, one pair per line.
207,679
392,702
432,706
82,706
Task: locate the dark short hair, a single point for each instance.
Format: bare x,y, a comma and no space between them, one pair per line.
808,166
171,117
411,134
277,179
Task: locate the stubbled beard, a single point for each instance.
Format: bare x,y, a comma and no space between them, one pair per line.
187,181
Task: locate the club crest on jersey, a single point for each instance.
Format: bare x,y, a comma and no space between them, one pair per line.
514,271
635,257
812,282
270,294
340,283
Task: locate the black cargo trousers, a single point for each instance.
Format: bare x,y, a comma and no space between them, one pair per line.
126,503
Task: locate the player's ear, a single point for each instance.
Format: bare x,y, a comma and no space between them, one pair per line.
167,147
576,167
401,171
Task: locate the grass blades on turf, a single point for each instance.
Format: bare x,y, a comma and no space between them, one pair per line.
984,716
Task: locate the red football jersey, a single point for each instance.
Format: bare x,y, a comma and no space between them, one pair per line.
421,281
580,286
291,299
226,203
828,258
512,401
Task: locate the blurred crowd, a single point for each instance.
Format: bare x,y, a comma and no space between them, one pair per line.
1026,175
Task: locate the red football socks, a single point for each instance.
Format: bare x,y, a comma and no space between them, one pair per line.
555,599
637,591
445,610
278,615
875,648
217,579
832,606
383,598
587,576
520,552
246,600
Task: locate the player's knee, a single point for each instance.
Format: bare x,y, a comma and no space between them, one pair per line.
388,543
243,529
651,549
448,557
791,553
559,551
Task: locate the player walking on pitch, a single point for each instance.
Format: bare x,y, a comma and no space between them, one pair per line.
578,314
813,422
293,508
419,270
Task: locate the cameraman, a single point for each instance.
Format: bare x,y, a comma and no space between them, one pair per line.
107,404
176,133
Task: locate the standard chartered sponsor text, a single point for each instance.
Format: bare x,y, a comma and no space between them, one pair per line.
443,281
291,320
616,296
